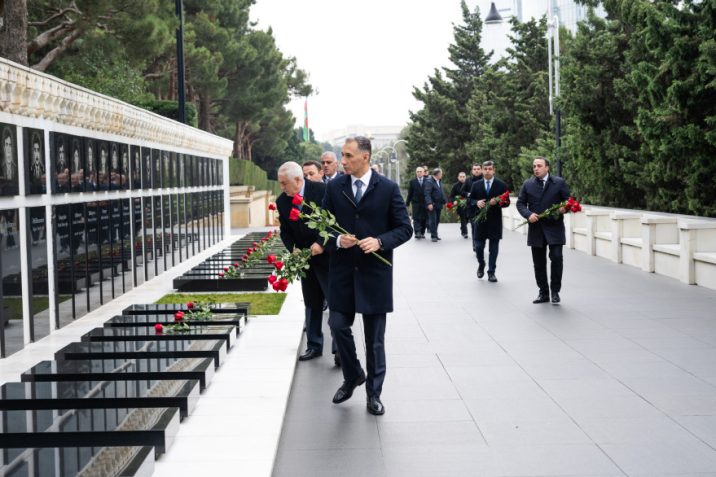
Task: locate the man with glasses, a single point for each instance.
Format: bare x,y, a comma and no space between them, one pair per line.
330,166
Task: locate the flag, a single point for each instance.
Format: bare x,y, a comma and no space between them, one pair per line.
305,121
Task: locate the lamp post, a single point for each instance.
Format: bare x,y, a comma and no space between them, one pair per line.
180,62
553,67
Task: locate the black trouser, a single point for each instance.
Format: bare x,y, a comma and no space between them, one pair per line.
539,260
462,213
434,220
494,250
418,221
374,330
474,226
314,311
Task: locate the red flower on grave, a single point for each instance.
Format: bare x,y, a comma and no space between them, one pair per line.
272,206
283,283
190,305
158,328
236,264
272,279
278,264
226,269
221,274
271,258
178,316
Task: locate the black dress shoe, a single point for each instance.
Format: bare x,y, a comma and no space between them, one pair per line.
310,354
337,359
464,236
481,271
434,239
439,238
346,390
491,277
555,297
541,298
374,406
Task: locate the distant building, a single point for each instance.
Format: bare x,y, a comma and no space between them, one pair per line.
380,136
495,36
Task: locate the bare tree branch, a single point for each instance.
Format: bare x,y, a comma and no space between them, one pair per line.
47,37
57,51
56,15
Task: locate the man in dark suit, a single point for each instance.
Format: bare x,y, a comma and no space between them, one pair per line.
476,175
416,200
330,167
456,192
488,190
297,234
434,201
537,195
369,206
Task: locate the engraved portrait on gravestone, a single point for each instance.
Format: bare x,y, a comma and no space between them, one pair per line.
35,152
103,167
124,167
91,172
180,177
157,177
166,164
62,168
8,169
114,179
77,171
147,178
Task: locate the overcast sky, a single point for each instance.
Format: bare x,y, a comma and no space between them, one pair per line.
363,57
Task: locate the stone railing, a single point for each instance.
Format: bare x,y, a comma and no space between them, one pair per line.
28,93
677,246
249,207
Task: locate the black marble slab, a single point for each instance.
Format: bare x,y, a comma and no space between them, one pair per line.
188,348
148,333
216,284
233,308
155,426
160,369
124,461
152,320
180,393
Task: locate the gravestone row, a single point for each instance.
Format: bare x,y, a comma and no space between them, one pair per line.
110,403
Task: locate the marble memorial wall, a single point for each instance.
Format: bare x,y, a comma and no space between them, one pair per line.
96,197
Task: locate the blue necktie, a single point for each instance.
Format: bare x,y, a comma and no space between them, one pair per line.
359,190
487,188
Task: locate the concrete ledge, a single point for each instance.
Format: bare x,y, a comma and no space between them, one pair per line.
669,248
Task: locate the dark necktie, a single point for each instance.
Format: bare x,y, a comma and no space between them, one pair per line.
487,187
541,182
359,190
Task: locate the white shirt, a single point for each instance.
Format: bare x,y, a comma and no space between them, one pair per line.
365,179
544,179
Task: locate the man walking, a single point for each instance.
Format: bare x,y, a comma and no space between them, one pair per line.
484,192
312,171
330,166
461,211
434,201
416,200
297,234
476,175
370,207
538,194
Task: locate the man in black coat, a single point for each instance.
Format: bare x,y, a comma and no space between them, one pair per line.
476,175
488,190
297,234
456,192
537,195
416,200
369,206
434,201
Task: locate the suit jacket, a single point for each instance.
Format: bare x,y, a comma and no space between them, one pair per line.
297,234
434,193
534,198
457,190
416,195
338,174
467,187
360,283
492,227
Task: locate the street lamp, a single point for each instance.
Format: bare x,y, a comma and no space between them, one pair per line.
180,62
553,67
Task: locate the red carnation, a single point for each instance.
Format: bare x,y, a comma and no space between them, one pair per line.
254,244
158,328
272,206
278,264
449,205
236,264
221,274
276,286
283,283
178,316
272,279
294,215
271,258
297,200
226,269
190,305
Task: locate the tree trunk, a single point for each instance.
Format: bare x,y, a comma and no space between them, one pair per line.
204,112
13,31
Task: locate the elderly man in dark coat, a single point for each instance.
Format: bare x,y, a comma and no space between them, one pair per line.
537,195
416,200
370,207
483,192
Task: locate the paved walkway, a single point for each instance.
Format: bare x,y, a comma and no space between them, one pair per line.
620,379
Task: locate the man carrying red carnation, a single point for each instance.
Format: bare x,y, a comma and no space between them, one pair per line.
537,195
295,233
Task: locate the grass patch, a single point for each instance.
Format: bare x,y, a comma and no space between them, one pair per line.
12,306
261,303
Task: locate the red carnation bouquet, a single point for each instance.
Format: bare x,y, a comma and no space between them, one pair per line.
502,200
291,266
570,205
323,221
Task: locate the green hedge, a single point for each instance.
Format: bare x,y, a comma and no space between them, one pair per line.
242,172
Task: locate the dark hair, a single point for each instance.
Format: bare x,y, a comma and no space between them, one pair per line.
546,161
362,142
312,163
478,165
437,171
488,164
